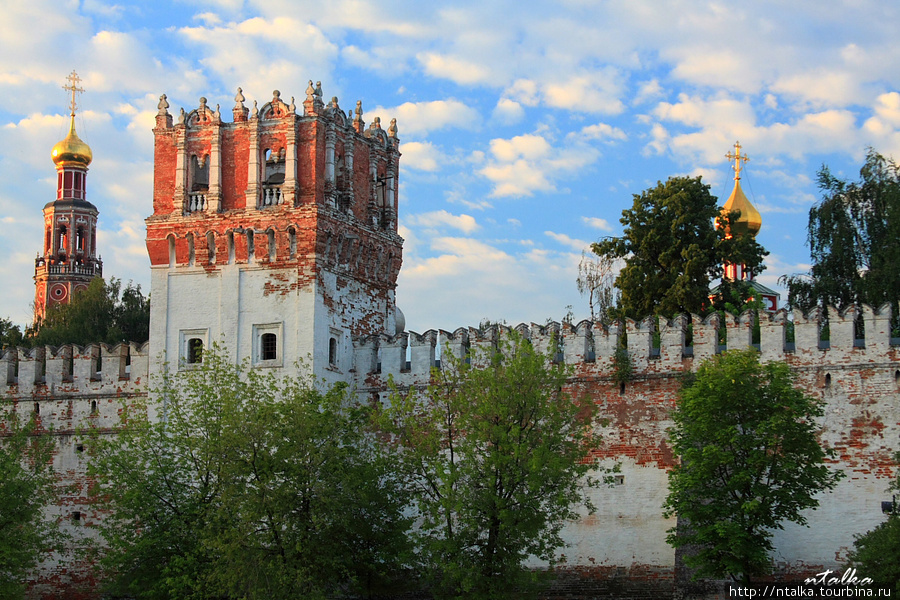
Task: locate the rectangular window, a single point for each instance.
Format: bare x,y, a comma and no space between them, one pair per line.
192,344
268,342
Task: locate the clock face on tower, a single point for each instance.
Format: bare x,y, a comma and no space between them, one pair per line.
58,292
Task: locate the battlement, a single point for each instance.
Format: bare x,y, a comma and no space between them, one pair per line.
72,370
858,335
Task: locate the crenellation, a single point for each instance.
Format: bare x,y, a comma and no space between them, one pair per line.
706,337
773,335
393,354
422,353
31,369
577,341
877,327
842,329
672,338
606,340
807,327
640,340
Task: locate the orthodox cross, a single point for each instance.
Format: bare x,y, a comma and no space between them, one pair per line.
738,159
73,80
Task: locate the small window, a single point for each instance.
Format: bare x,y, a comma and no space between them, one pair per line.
79,448
211,247
195,351
76,515
270,238
332,352
171,239
292,236
37,408
269,349
622,389
93,407
827,380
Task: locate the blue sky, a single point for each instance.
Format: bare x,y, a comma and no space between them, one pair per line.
525,127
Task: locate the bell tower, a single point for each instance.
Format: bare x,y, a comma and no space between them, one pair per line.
68,261
275,234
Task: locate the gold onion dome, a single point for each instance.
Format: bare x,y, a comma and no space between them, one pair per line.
72,151
748,219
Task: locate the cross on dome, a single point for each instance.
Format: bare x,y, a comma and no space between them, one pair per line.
738,159
73,80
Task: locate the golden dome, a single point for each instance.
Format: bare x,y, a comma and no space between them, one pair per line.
72,151
749,219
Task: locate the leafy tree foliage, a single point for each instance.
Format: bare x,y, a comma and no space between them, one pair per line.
10,335
875,553
749,461
672,250
249,487
496,454
104,312
854,240
27,486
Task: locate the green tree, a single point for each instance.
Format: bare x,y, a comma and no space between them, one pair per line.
875,552
854,240
497,458
27,487
10,335
248,486
750,460
672,250
104,312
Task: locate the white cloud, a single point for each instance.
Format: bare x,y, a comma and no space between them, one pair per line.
421,156
508,111
602,131
419,118
597,223
566,240
525,164
457,70
442,218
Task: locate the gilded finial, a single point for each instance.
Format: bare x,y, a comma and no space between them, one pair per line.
738,159
72,86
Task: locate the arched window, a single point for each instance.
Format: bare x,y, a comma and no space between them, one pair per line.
211,247
199,173
332,352
251,246
270,237
93,407
230,236
171,239
191,250
292,236
269,346
195,351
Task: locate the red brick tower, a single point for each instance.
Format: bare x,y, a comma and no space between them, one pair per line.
275,234
69,259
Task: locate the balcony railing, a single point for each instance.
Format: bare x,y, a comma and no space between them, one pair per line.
196,202
271,196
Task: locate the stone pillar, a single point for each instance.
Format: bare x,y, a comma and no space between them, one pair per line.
253,168
214,198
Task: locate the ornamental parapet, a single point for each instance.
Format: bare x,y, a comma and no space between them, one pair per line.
654,346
